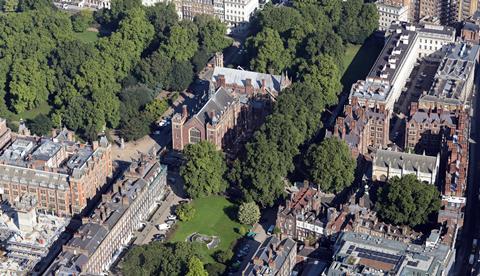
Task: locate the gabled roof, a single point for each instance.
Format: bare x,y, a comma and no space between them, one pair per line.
217,103
406,161
272,82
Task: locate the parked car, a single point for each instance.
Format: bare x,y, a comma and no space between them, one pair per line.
270,229
172,217
163,226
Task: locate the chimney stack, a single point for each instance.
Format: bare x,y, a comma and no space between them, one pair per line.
264,86
348,110
221,81
413,108
184,111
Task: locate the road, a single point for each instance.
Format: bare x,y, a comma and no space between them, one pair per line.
471,227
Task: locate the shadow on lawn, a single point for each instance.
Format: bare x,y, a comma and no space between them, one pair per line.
362,62
231,211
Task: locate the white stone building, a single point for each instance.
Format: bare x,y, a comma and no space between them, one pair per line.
387,164
390,12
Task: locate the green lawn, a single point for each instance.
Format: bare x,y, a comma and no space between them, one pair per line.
43,108
212,217
358,61
87,36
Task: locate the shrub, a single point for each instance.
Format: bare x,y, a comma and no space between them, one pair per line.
185,211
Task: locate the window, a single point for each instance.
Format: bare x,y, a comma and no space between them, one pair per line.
195,136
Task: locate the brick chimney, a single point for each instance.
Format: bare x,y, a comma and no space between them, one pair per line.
184,111
248,86
413,108
221,81
354,101
264,86
348,110
381,107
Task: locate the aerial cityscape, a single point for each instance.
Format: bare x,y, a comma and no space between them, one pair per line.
239,137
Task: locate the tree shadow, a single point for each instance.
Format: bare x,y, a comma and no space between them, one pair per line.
231,211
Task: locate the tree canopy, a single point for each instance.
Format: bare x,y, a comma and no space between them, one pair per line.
407,201
195,267
204,170
248,213
161,258
306,40
331,165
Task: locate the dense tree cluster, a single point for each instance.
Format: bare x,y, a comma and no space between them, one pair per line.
307,40
407,201
331,165
44,62
161,258
204,170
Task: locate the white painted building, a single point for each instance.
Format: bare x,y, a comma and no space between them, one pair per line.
390,12
238,12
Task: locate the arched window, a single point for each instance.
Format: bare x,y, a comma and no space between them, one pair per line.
194,136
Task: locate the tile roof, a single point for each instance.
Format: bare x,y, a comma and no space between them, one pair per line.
273,82
406,161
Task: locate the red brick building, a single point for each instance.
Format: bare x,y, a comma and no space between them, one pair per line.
238,103
445,132
362,127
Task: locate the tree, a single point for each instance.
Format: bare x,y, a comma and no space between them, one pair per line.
156,108
407,201
195,267
181,75
215,269
331,165
204,170
26,5
223,256
40,125
135,127
181,44
185,211
248,213
211,33
269,52
162,16
161,258
82,20
10,5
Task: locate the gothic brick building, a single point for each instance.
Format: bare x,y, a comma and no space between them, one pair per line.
446,132
362,127
238,103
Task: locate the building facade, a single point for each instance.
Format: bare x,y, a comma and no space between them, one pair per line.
238,101
387,164
361,254
62,174
103,235
363,127
300,217
405,45
391,11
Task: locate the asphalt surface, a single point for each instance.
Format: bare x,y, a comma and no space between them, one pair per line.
471,227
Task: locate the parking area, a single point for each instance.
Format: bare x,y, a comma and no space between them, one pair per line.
163,215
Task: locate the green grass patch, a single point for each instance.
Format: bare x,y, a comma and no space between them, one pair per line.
87,36
358,60
214,216
43,108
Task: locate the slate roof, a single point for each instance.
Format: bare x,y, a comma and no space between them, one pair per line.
217,103
273,82
407,161
434,117
278,256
